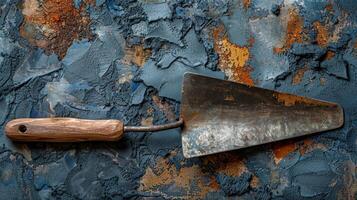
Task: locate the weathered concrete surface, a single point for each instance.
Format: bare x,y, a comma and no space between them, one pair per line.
125,59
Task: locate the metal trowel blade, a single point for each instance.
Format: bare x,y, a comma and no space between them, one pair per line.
221,115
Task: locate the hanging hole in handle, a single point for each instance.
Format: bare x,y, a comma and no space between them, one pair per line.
22,129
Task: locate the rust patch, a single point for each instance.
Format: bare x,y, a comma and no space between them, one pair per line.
227,163
213,185
136,55
322,34
246,3
150,111
338,28
235,167
329,7
291,100
54,24
299,75
294,32
329,55
183,179
306,145
232,58
282,149
254,183
165,107
147,121
309,145
193,181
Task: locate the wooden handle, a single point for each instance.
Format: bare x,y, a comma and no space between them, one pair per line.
63,130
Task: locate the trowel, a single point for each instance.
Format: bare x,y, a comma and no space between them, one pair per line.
216,116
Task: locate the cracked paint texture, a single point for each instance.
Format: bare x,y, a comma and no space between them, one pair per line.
125,60
53,25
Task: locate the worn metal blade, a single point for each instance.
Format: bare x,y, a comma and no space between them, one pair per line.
221,115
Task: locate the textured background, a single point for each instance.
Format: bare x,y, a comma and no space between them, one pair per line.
125,60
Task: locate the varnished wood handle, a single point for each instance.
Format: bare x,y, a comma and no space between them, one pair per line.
63,130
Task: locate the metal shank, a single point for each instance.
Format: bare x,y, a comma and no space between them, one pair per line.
154,128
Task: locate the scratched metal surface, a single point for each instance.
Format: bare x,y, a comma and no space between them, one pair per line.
126,59
221,116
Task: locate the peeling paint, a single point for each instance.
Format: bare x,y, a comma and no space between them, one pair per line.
322,37
282,149
136,55
299,75
329,55
294,31
188,182
246,3
147,122
339,27
309,145
254,183
232,58
228,163
193,180
165,107
54,24
329,7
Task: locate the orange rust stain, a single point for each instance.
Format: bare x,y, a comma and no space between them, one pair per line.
193,181
136,55
54,24
322,34
161,174
254,183
183,179
165,107
232,58
246,3
150,111
355,45
282,149
294,32
299,75
147,121
214,184
329,55
227,163
309,145
329,7
290,100
235,167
